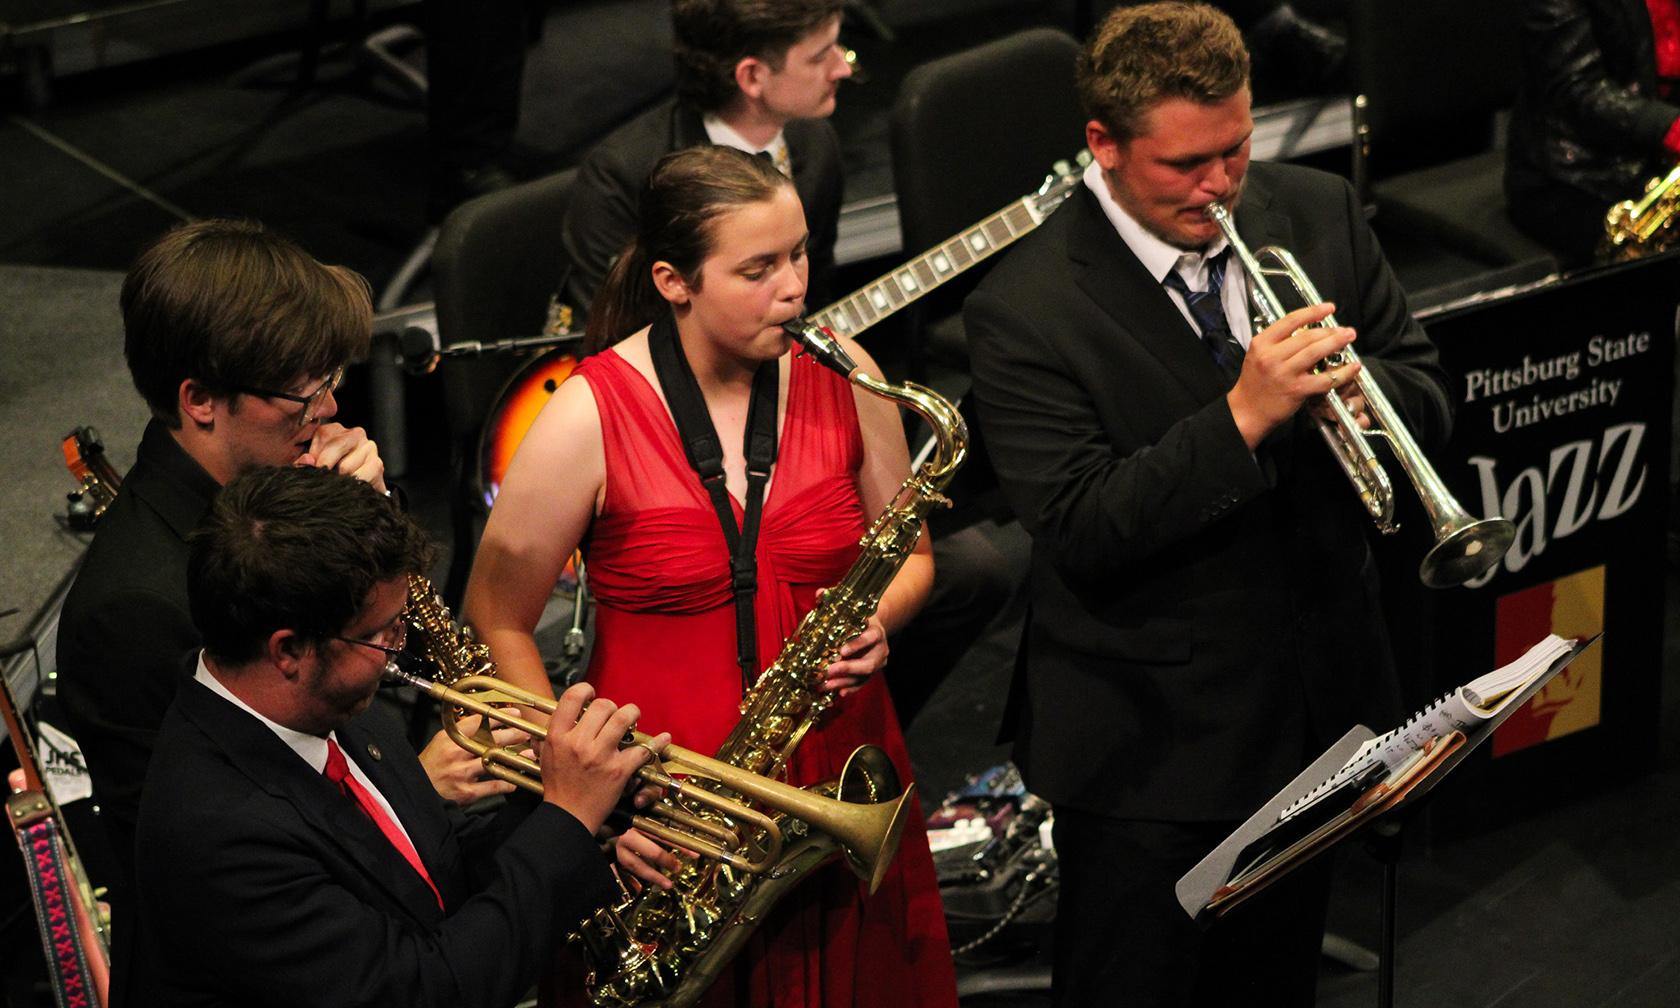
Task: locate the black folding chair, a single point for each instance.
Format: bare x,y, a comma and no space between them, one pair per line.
496,265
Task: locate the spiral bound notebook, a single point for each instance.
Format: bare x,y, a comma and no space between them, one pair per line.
1461,710
1362,777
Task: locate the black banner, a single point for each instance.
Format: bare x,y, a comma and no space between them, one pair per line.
1563,396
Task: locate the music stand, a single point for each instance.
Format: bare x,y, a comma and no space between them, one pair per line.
1217,883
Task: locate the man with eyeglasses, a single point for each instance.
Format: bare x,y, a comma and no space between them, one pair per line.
236,338
290,850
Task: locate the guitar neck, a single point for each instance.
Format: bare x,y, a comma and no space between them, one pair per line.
930,270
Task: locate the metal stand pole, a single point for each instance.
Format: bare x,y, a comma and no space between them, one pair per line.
1385,847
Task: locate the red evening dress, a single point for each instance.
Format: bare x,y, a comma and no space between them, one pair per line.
665,640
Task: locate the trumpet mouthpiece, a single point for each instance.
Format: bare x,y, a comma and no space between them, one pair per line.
397,675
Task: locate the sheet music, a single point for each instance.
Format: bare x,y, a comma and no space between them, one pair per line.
1460,710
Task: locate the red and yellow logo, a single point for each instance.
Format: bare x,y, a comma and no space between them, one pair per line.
1571,606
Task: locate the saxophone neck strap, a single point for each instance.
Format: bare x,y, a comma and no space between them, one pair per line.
705,455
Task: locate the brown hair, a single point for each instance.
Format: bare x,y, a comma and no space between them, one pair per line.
688,190
230,305
1144,54
294,548
714,36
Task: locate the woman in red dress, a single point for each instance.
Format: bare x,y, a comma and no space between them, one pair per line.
718,265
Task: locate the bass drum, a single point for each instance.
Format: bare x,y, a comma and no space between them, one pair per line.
515,410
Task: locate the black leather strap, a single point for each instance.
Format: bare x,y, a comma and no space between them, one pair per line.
705,456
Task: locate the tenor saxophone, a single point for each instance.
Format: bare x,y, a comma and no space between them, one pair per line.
667,946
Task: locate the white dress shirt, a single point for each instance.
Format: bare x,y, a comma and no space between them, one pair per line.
724,135
1160,258
312,749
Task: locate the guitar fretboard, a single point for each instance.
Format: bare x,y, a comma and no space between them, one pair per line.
858,311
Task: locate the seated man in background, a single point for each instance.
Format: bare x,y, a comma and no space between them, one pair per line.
236,338
1597,116
290,851
757,75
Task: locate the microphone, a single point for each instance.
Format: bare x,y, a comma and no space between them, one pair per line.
417,348
420,351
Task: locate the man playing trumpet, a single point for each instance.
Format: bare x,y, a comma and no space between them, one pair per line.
1204,608
291,851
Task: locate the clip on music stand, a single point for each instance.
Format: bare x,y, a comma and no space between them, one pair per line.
1250,859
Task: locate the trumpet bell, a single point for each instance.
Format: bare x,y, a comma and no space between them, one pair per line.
1466,551
874,822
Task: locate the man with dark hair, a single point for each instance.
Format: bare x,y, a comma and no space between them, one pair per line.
222,318
757,75
236,338
290,851
1204,617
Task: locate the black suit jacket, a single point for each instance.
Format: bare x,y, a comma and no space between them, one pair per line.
602,215
126,631
1201,617
261,884
125,643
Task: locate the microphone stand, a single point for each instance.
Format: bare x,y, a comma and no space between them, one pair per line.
420,352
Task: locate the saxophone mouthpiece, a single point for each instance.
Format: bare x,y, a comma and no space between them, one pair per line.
821,344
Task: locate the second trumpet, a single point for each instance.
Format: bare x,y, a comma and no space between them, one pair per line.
737,834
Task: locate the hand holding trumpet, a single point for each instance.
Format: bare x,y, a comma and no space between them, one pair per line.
584,769
1282,370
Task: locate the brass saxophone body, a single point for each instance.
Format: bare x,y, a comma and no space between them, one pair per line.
666,946
1633,228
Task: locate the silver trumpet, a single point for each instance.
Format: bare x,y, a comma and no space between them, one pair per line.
1465,546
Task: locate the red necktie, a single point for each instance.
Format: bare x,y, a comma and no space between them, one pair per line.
338,771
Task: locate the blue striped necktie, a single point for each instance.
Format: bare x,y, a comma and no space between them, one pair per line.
1208,309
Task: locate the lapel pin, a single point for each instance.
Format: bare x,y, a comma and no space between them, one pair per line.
373,750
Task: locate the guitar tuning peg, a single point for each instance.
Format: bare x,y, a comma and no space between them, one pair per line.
1084,158
1062,167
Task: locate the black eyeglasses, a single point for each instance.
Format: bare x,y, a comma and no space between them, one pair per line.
312,402
393,636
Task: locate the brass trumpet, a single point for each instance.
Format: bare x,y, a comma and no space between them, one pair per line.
736,833
1465,547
